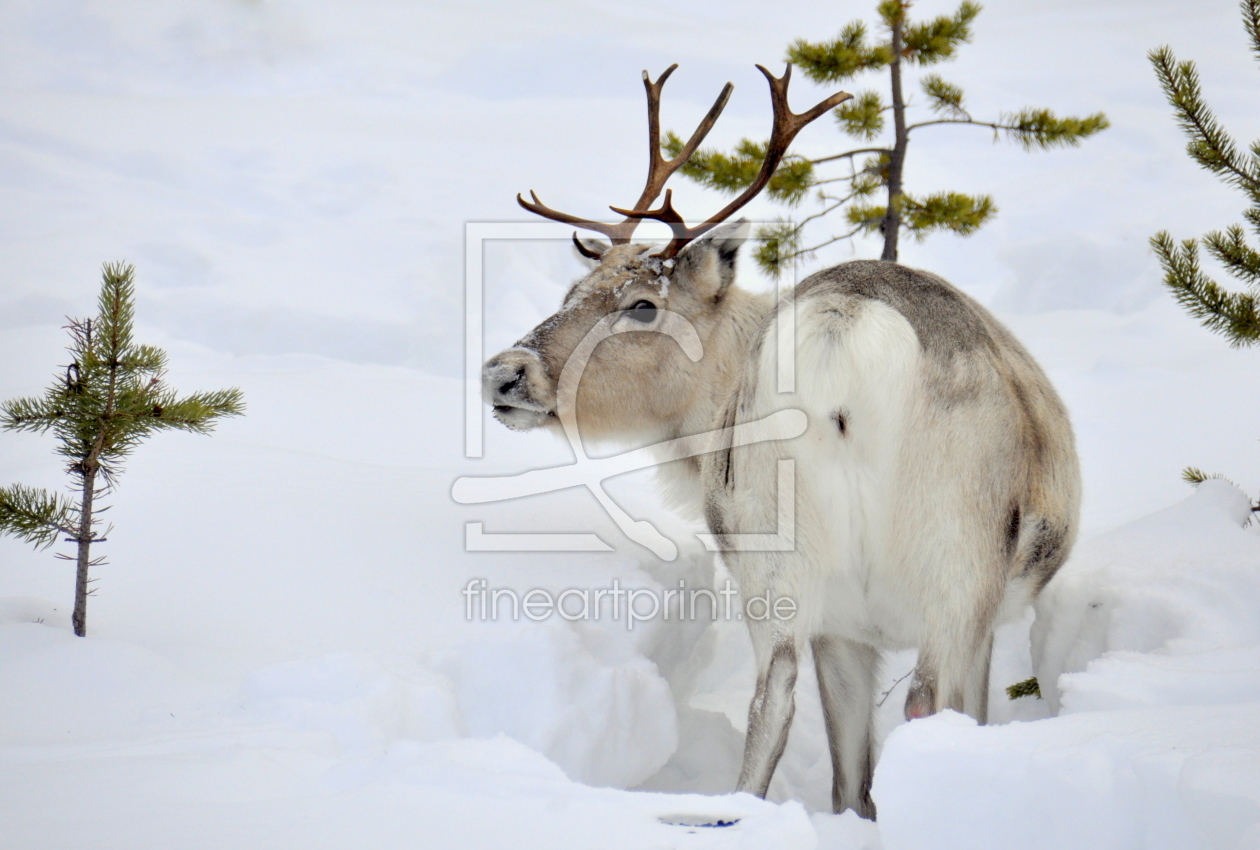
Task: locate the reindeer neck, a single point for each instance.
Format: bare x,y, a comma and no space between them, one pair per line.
726,356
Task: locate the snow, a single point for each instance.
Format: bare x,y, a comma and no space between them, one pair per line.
279,653
1188,599
1180,777
1147,648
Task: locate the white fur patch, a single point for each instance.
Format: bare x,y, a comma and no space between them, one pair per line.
861,359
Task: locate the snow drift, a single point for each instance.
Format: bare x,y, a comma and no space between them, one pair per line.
1147,646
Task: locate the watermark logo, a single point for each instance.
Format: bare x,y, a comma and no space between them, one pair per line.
591,472
616,603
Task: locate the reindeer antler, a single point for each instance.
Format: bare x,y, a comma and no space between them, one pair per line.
786,125
659,168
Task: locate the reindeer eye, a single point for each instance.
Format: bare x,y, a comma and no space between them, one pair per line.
643,311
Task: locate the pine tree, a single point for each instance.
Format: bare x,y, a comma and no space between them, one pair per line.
1234,315
864,117
101,407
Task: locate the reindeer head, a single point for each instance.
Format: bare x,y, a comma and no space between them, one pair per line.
636,324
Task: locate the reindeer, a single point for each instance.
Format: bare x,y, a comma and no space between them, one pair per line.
936,489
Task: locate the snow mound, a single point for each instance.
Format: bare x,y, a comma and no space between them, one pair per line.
1171,778
603,723
1181,582
1147,646
352,697
61,690
31,609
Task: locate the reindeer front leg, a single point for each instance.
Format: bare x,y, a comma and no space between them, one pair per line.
770,714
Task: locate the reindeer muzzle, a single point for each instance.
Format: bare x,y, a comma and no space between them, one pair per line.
515,383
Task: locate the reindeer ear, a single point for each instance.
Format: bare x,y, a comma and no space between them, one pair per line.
709,262
591,249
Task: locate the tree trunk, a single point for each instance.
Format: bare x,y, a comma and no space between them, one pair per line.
79,617
891,224
90,466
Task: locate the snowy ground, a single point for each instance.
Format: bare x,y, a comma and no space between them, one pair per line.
279,653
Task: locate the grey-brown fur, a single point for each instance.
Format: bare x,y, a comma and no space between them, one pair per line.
945,501
944,319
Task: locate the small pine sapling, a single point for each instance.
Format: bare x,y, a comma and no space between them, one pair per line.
101,407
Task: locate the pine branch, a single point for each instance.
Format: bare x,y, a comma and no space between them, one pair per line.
850,155
30,414
938,40
116,311
144,360
873,173
800,225
952,211
863,116
944,98
1251,20
1231,250
1236,316
1026,688
1194,475
845,56
866,217
779,245
1210,146
199,412
35,515
780,242
731,173
892,12
806,252
1035,128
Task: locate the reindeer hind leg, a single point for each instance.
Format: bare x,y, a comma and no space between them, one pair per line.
976,695
953,667
846,683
